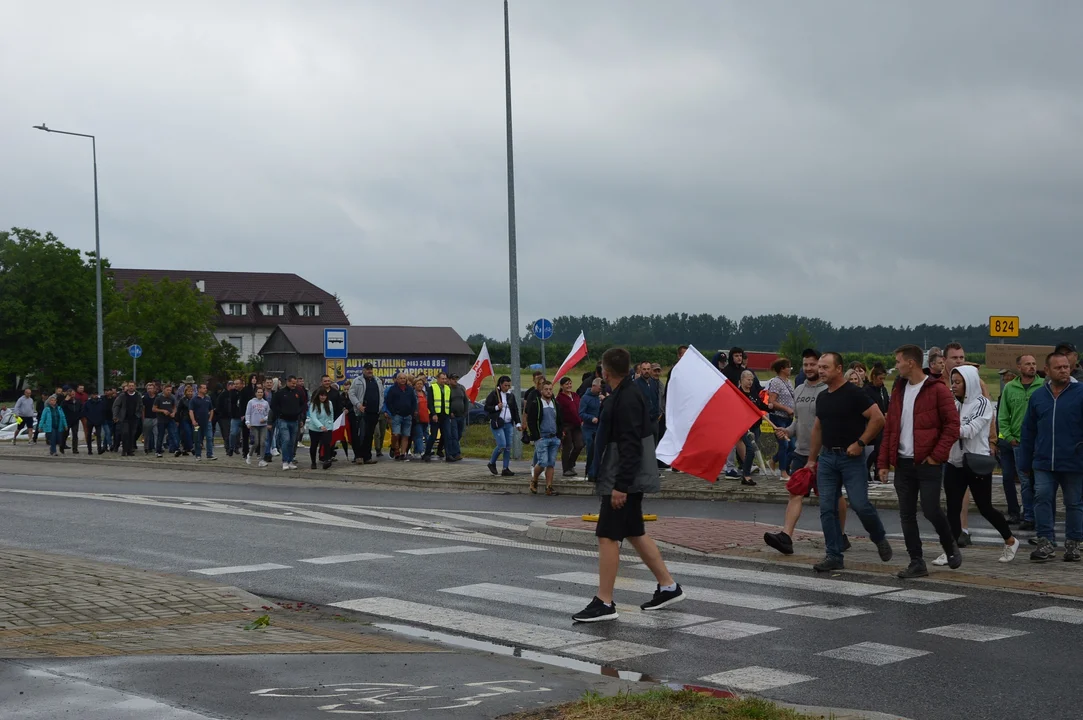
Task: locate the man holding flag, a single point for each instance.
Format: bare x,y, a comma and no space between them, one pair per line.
625,469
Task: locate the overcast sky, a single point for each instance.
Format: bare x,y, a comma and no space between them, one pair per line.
866,163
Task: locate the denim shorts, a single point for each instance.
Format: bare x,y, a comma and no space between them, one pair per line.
400,424
546,451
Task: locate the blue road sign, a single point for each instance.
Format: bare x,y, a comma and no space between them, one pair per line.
135,351
543,329
335,346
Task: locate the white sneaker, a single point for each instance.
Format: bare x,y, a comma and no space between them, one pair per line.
247,459
293,466
275,452
199,458
285,466
1010,551
942,560
263,463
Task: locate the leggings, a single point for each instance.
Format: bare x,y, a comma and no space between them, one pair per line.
257,434
319,442
956,482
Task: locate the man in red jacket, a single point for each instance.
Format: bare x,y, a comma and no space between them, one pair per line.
922,425
572,442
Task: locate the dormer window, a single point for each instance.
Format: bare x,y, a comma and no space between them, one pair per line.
273,309
235,309
308,310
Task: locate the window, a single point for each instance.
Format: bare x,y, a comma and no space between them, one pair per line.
238,342
273,309
310,310
235,309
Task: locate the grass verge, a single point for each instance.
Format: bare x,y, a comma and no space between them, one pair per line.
663,704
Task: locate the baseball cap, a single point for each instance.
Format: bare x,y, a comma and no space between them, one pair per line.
366,366
1065,347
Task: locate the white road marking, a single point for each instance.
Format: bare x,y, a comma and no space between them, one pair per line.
445,550
826,612
728,630
487,626
470,519
540,599
717,597
977,633
1072,616
755,678
918,597
776,579
611,650
871,653
336,559
241,569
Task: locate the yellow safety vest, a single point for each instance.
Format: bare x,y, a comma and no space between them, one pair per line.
441,401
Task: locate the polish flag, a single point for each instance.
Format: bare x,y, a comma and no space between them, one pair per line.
483,368
576,356
706,415
340,431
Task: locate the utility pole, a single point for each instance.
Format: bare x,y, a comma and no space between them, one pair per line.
513,273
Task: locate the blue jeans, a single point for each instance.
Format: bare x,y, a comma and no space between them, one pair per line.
420,437
1026,490
1045,495
456,428
107,435
546,450
205,432
235,434
1006,456
401,424
55,436
286,430
170,427
185,429
785,447
750,450
589,432
503,438
835,471
451,444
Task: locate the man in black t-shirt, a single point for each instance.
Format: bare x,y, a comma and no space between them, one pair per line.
165,410
846,421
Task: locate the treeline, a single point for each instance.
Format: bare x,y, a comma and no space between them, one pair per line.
769,332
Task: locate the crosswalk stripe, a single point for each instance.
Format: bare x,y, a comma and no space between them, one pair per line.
335,559
826,612
542,600
241,569
728,630
443,550
471,519
487,626
611,650
918,597
977,633
717,597
871,653
755,678
1072,616
797,582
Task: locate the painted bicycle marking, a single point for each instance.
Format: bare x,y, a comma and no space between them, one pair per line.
399,698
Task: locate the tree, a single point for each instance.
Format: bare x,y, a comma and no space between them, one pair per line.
795,343
172,321
47,302
224,361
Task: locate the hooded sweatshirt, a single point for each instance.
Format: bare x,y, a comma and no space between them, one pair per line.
975,415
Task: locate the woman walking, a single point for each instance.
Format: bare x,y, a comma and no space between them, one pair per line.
321,421
503,413
970,465
780,401
753,435
421,428
53,423
256,413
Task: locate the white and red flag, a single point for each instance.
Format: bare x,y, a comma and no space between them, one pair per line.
340,431
706,415
576,356
483,368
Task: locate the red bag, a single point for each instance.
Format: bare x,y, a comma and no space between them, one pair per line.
801,482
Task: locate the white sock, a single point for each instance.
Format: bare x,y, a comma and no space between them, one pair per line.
668,588
608,604
966,531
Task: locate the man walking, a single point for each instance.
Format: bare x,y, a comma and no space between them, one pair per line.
128,415
149,418
289,406
401,404
459,416
201,413
165,408
571,443
649,387
1011,410
922,425
439,397
626,468
365,399
590,410
846,421
1049,450
94,411
545,427
24,410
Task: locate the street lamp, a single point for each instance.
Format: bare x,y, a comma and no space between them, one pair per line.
513,274
97,251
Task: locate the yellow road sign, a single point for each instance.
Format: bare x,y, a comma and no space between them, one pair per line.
1003,326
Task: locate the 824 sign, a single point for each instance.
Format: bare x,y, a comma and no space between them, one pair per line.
1004,326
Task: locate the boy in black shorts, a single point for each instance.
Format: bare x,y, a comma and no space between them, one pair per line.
624,468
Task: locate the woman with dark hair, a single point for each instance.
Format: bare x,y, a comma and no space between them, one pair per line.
876,391
780,401
247,394
503,413
320,423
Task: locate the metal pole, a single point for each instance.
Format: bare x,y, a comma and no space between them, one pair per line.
133,370
543,355
513,274
98,272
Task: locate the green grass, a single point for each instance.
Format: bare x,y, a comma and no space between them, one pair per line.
663,704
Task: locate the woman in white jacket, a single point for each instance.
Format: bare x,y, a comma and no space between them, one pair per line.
967,455
255,419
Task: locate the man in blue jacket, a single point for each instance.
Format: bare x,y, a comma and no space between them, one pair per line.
1051,446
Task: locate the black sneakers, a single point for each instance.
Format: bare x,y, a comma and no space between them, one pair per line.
955,558
1071,551
597,611
492,468
779,541
828,564
964,539
662,598
884,548
916,569
506,473
845,543
1044,552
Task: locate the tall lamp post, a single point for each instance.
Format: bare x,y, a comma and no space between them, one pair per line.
97,252
513,273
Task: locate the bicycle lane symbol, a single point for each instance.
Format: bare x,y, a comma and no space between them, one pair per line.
400,698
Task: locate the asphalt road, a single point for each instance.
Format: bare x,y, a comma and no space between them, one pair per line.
458,563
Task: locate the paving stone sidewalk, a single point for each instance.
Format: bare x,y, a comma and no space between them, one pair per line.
60,606
470,475
737,539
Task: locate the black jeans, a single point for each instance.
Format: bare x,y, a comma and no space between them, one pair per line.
956,482
126,431
912,480
319,445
